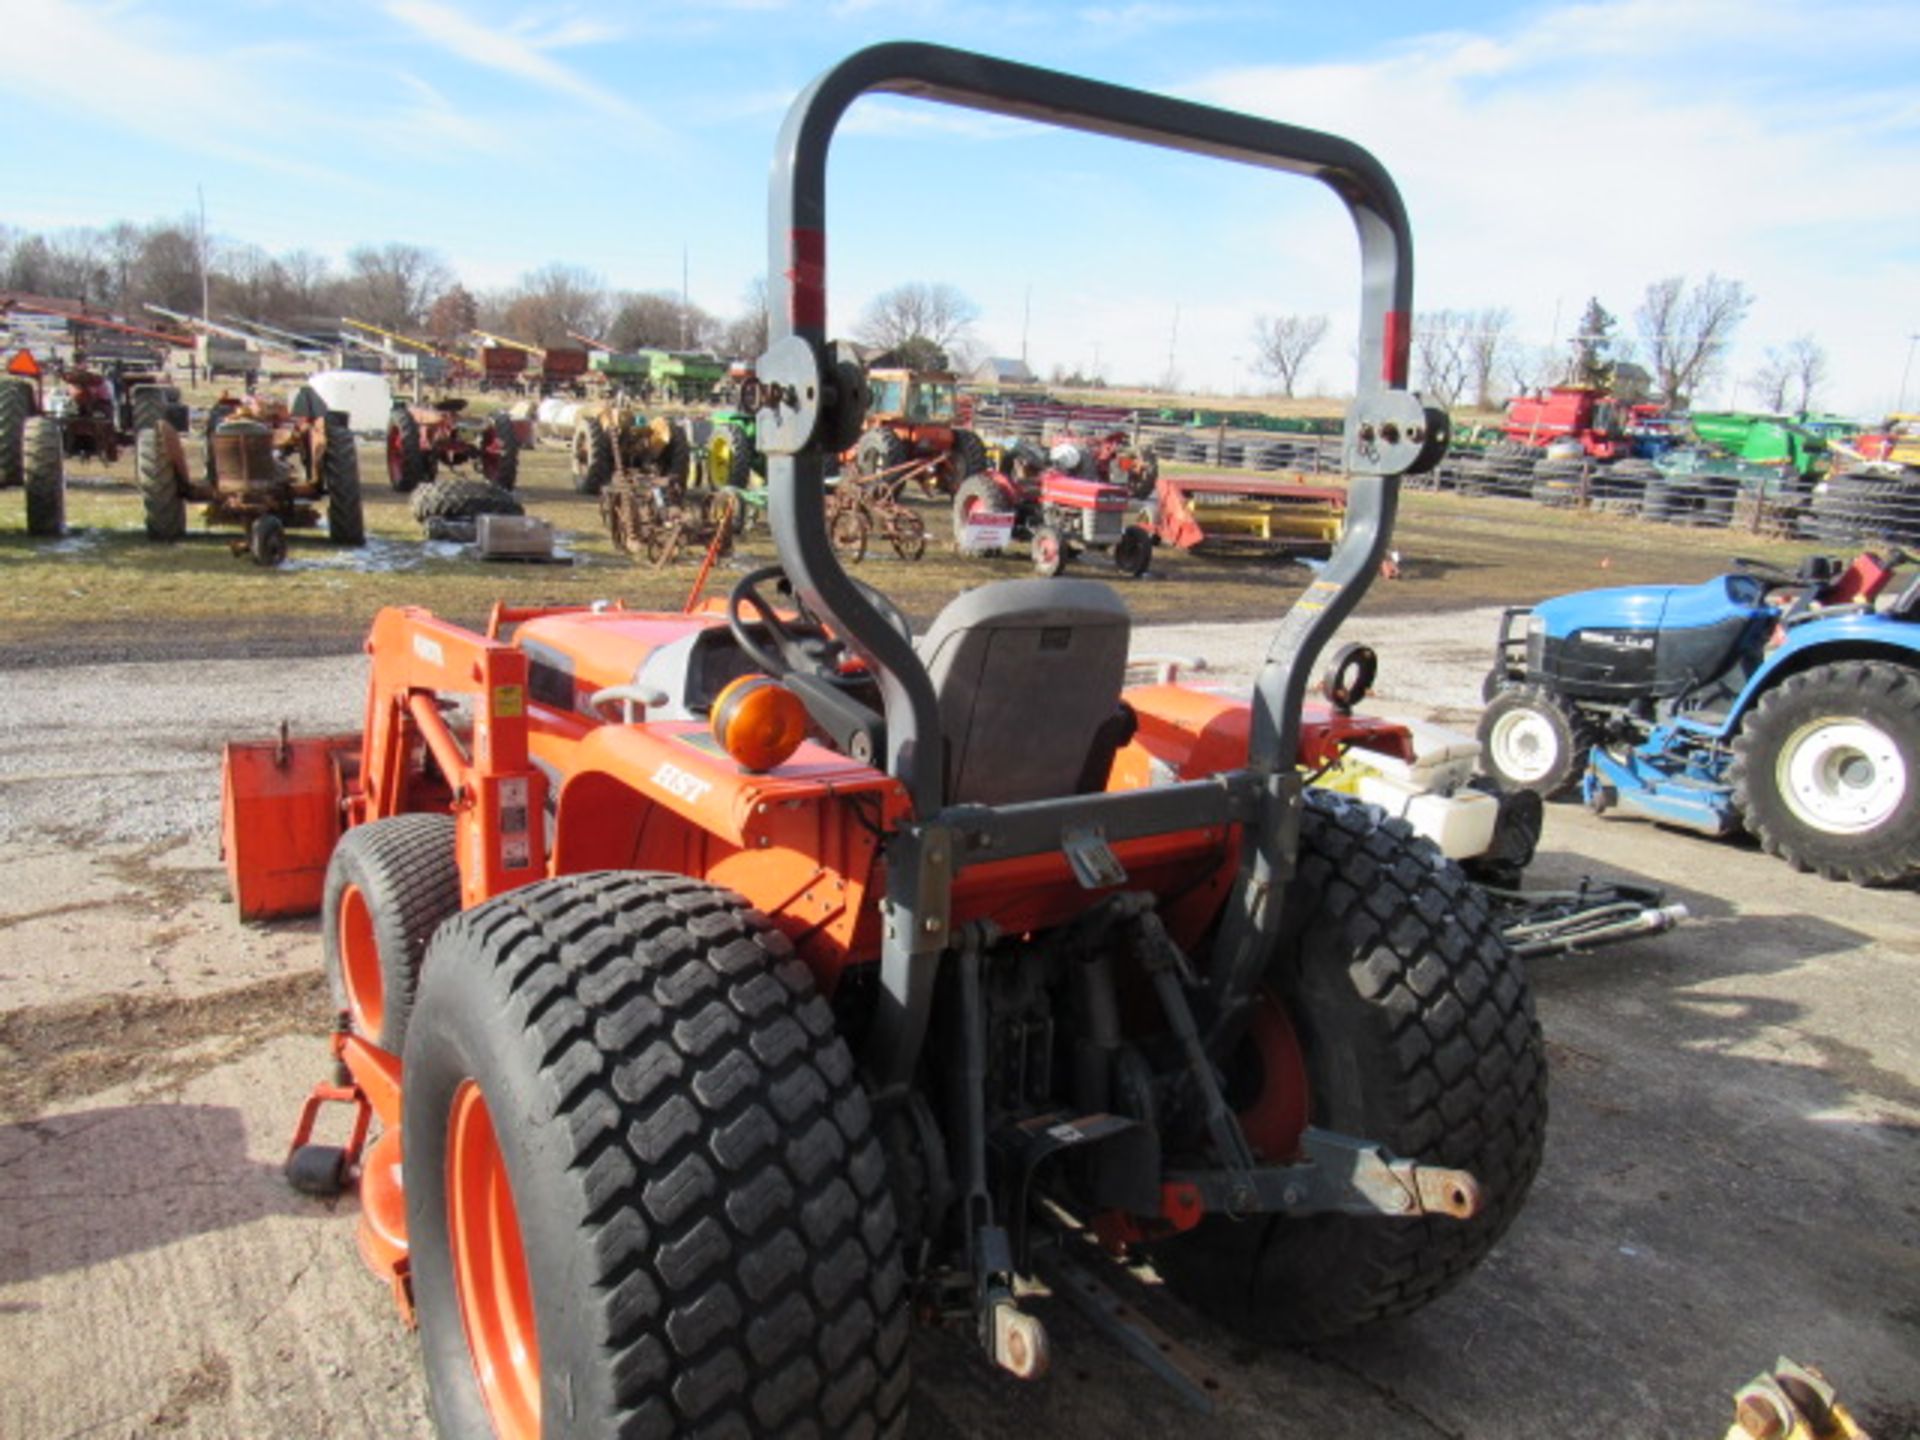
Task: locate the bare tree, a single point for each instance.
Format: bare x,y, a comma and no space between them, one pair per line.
454,314
1809,364
1489,337
393,285
1440,354
556,302
1532,367
1686,332
936,321
310,283
1282,345
745,337
656,320
1771,380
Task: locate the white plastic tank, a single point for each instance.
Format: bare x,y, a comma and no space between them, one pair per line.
367,399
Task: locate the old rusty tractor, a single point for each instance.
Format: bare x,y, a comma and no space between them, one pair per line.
913,416
614,439
716,991
268,465
1109,455
1055,513
424,439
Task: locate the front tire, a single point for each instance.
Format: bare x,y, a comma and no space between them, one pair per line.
1532,739
390,883
500,457
1826,771
1411,1024
682,1213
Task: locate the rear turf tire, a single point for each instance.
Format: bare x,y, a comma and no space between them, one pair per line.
1826,771
43,469
390,884
1416,1028
701,1207
1532,739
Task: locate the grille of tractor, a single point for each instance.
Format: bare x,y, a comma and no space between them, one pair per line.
243,455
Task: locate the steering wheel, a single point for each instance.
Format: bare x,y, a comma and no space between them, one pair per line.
791,651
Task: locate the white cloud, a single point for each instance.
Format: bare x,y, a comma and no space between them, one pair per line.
519,50
1602,146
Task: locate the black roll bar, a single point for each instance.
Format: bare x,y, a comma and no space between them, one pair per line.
806,390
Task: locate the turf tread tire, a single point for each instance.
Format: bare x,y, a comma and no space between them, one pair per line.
1892,854
43,471
1572,732
1406,997
407,870
693,1160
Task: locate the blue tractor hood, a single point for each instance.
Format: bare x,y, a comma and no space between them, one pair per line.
1647,642
1653,607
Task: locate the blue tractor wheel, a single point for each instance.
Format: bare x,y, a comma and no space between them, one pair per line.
1531,738
1826,771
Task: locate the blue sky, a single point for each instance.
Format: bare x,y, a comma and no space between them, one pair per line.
1547,152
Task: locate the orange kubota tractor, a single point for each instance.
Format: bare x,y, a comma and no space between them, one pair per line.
717,989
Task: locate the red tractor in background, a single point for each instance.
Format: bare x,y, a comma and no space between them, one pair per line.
1604,427
1109,455
1048,503
915,415
421,439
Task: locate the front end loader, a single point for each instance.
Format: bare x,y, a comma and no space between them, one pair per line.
717,990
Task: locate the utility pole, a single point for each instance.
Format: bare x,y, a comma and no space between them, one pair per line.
206,309
683,296
1173,339
1026,317
1906,373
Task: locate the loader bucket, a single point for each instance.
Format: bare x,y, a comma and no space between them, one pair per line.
280,814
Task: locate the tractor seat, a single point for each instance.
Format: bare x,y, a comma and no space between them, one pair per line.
1028,676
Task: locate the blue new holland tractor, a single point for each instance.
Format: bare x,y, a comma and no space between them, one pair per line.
1785,703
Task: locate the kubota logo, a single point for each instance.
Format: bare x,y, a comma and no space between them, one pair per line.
675,781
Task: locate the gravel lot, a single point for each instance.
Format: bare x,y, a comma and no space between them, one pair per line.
1731,1171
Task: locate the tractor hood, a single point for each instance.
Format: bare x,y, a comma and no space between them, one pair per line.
1652,607
1645,642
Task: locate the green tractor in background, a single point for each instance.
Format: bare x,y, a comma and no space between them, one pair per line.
1765,467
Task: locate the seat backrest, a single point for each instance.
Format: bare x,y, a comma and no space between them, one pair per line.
1026,673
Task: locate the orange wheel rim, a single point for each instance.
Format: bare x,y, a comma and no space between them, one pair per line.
360,963
490,1270
1276,1117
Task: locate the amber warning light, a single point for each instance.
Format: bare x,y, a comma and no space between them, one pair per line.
759,722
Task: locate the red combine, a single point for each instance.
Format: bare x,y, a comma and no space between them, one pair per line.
1586,413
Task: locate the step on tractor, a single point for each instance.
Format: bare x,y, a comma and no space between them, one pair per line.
913,415
266,466
718,990
422,440
1056,514
31,453
1784,704
612,440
